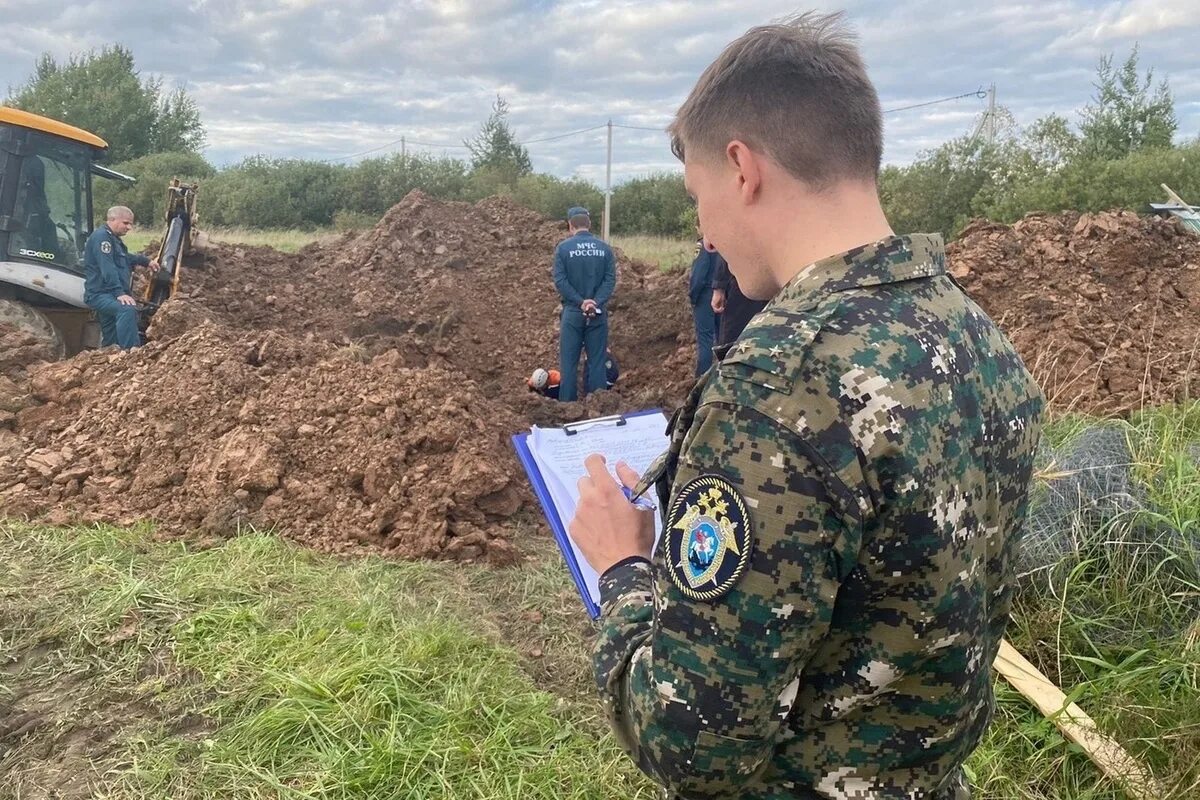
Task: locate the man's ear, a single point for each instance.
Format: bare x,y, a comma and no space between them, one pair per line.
747,169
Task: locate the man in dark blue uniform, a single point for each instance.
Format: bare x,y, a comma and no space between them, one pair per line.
585,274
108,269
735,309
700,292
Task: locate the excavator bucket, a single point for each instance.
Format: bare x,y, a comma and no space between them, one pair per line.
199,241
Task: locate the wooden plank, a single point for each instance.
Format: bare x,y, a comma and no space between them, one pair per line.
1174,198
1076,725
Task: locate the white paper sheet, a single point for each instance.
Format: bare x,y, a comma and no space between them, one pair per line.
560,459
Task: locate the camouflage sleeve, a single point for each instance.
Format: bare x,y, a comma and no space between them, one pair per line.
698,690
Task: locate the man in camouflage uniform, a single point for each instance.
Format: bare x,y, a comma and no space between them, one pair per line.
843,492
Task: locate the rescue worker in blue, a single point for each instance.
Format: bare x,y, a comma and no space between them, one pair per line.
585,274
734,308
700,292
107,268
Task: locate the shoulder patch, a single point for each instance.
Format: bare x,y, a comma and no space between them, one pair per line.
709,540
106,247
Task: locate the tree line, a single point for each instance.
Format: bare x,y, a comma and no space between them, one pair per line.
1120,147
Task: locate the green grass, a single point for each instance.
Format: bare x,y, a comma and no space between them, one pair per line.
284,240
312,677
666,253
256,669
1119,633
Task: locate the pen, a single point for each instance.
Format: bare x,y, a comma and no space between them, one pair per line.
640,502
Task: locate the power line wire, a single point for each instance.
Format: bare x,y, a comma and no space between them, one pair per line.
435,144
980,93
563,135
639,128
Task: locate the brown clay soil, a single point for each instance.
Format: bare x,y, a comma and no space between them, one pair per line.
454,285
1105,308
20,350
354,397
359,396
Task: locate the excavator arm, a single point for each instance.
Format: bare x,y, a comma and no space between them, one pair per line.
180,238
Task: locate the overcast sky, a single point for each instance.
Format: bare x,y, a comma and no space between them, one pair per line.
320,79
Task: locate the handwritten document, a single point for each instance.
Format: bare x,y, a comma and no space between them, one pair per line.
559,455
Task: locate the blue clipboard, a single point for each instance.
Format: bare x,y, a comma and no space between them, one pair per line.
557,525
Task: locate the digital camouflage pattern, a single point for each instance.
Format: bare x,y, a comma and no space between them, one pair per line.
881,431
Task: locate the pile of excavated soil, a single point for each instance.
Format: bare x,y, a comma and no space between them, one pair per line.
454,285
209,432
19,350
1103,307
356,396
359,396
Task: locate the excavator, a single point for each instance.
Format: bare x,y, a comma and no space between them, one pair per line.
46,216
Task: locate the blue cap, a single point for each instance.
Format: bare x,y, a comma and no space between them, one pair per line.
577,211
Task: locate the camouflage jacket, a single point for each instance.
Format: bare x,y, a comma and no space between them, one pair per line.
843,495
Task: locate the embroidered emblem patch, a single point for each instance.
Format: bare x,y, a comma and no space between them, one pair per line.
708,538
106,247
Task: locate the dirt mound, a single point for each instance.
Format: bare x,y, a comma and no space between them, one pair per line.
1103,307
453,285
353,396
210,431
19,350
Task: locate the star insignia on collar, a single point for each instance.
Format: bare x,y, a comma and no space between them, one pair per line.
742,347
776,351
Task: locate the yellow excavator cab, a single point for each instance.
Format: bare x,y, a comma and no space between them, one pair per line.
33,122
46,169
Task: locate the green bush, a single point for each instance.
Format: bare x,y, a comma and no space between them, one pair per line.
374,185
274,193
552,196
1087,185
147,197
654,205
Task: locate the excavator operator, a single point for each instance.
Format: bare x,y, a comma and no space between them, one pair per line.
108,273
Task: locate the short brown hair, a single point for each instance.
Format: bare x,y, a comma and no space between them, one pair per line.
581,222
797,91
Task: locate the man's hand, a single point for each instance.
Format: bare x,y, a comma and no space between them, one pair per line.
126,300
608,528
154,265
718,301
588,307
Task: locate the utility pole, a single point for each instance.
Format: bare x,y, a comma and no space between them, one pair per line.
403,147
992,114
608,186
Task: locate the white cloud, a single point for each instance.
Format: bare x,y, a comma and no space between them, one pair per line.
1132,20
315,79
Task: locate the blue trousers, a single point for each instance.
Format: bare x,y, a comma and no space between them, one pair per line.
118,322
578,333
706,335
